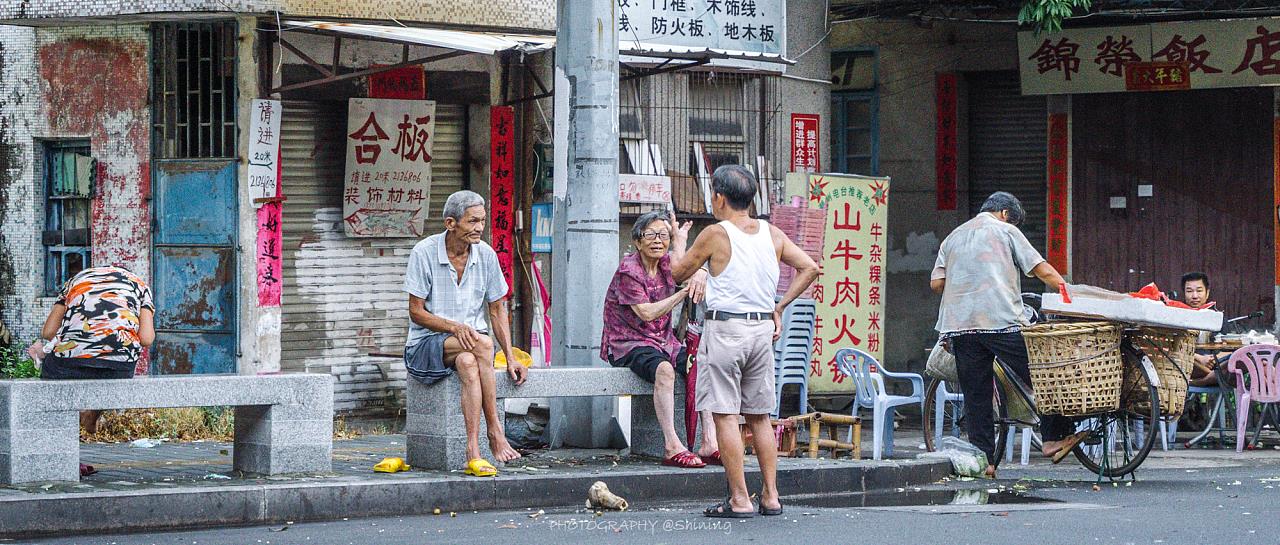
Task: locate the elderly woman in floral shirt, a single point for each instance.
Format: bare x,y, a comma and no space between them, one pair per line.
637,327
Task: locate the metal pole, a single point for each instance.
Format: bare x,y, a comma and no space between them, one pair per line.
586,206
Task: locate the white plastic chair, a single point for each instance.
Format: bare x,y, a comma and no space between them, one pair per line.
940,399
869,392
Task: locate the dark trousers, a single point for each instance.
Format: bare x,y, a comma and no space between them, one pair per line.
974,353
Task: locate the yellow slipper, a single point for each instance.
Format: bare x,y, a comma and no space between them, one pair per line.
391,465
480,467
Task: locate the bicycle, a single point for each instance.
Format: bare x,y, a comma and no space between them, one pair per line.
1118,441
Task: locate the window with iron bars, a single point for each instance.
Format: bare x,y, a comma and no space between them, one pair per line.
666,119
193,91
69,174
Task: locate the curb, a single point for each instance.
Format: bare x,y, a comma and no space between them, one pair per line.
196,507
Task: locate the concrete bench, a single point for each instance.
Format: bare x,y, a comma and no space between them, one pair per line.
437,437
283,423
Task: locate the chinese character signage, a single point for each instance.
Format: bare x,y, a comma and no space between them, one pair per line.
269,254
264,150
1157,76
804,143
502,183
387,187
758,26
644,188
406,82
849,292
947,154
1059,197
1176,55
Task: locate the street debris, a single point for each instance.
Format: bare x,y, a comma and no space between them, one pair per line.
216,477
144,443
600,496
538,514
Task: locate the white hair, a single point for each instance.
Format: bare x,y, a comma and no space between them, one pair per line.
458,203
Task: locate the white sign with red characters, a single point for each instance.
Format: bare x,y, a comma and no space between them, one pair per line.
387,188
849,293
644,188
804,143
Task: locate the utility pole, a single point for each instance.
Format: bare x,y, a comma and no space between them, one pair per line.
586,206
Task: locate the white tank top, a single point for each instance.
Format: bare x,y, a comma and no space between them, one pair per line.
750,281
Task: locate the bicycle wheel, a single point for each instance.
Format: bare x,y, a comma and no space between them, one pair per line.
1120,440
950,421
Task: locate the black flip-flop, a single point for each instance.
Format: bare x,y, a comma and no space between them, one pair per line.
724,510
768,512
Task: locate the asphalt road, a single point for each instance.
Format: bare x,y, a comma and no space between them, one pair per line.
1213,500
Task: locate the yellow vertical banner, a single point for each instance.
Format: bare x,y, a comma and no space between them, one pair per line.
850,287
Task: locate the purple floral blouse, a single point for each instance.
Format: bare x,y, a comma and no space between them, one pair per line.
624,331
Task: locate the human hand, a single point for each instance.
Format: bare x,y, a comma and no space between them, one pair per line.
777,325
516,371
697,286
679,232
467,336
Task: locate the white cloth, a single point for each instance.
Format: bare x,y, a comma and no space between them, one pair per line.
750,280
432,277
980,261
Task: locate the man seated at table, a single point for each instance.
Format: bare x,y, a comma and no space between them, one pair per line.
637,327
454,281
1207,365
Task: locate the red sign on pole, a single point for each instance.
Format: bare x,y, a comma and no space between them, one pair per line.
406,82
804,143
947,152
1156,76
502,181
1059,198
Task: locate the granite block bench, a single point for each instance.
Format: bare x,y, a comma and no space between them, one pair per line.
283,423
436,437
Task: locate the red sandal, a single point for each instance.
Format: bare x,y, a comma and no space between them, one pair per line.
685,459
713,459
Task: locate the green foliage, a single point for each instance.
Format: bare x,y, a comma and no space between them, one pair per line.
1048,15
14,363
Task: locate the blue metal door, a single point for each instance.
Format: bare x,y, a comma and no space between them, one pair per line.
193,266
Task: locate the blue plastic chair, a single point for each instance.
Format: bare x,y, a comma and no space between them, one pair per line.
791,352
869,392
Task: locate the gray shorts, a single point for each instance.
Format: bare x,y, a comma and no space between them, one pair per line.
735,367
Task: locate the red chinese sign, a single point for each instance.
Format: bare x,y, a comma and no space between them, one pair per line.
406,82
947,153
1157,56
502,182
1059,199
1157,76
387,186
849,292
804,143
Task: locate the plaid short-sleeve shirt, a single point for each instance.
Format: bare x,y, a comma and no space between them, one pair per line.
432,277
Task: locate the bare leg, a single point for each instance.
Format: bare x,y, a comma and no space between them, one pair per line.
469,374
707,431
664,385
731,454
489,393
767,453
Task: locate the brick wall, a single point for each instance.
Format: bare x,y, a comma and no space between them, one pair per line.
524,14
91,83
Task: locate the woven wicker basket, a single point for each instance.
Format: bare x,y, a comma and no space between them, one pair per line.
1160,345
1075,367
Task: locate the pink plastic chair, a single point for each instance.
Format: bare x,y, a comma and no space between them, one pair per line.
1256,366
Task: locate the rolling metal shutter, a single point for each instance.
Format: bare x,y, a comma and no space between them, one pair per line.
343,301
1008,138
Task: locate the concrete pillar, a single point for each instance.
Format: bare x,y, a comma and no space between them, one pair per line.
586,205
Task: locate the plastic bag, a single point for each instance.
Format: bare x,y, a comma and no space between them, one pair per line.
966,459
941,364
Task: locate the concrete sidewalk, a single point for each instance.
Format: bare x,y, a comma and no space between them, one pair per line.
190,485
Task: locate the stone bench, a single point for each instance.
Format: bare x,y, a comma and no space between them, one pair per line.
283,423
437,439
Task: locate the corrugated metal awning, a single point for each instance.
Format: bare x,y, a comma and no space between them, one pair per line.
687,53
486,43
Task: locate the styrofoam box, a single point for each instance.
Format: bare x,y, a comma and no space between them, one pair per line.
1129,309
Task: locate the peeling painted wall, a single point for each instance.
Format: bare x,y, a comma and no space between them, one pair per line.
86,82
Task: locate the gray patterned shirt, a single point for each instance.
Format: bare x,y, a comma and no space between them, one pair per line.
432,277
981,260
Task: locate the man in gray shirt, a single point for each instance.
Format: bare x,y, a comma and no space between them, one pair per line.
453,278
977,273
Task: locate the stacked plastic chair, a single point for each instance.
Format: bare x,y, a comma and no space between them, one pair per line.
792,351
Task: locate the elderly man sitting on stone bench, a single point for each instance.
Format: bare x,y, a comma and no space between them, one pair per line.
453,279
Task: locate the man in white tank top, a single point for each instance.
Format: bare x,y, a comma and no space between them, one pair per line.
735,356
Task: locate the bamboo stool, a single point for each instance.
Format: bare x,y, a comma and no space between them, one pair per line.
834,424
